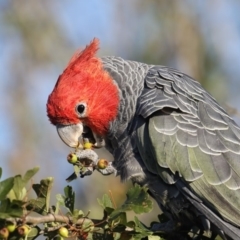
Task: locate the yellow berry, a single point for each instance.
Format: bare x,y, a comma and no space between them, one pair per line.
63,232
4,233
24,230
87,145
11,227
102,164
72,158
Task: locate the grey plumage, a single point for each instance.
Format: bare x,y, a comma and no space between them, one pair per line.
173,136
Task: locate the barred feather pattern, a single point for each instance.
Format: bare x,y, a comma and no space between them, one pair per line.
128,75
169,126
201,142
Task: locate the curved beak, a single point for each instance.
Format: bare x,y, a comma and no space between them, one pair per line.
70,134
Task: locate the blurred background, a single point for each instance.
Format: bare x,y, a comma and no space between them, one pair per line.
37,39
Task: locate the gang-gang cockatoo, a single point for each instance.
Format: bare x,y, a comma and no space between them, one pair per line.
163,130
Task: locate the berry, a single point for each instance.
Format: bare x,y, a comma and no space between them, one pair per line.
63,232
87,145
11,227
23,230
72,158
4,233
102,164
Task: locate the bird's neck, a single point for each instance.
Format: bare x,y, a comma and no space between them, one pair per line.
129,77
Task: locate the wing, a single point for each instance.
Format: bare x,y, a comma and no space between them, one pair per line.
192,136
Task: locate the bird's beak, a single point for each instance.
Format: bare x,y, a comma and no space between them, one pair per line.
70,134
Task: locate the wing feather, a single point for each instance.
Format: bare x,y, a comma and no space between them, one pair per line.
193,137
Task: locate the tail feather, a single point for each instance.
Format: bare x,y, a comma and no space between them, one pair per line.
229,230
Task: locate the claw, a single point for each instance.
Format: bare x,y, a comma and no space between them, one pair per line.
86,172
87,156
87,162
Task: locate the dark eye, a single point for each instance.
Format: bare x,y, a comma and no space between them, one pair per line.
80,108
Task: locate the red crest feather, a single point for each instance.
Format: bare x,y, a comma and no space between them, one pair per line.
84,80
84,55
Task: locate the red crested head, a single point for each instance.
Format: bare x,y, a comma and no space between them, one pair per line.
84,93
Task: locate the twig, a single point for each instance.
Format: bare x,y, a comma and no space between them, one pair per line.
48,218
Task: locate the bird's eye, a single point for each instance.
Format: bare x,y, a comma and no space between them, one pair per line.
81,109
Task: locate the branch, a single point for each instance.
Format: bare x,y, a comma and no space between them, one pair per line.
49,218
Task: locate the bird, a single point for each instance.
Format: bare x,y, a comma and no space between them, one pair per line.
164,130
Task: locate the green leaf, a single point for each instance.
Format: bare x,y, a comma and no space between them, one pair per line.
109,210
68,201
5,186
43,190
29,174
70,198
140,226
87,225
19,191
80,213
60,199
37,205
0,172
105,202
10,209
154,238
117,236
19,184
141,230
34,233
61,202
4,206
76,215
137,200
121,219
131,224
90,236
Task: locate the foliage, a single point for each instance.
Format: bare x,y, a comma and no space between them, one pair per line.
18,211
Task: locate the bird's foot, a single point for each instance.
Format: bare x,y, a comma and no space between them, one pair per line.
87,157
85,161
